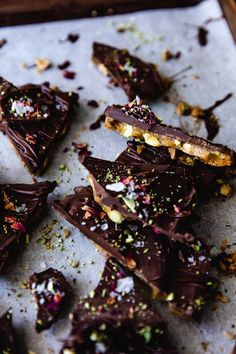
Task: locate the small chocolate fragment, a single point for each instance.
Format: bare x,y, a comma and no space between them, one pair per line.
138,121
226,262
115,318
34,137
8,338
131,73
3,41
140,192
21,206
51,290
174,271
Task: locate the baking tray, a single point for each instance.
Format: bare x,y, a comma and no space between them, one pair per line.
212,76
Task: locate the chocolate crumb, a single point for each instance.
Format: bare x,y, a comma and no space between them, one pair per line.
97,123
64,65
93,103
72,37
2,42
202,36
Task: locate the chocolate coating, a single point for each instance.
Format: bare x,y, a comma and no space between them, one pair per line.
34,137
147,193
21,206
143,118
136,77
116,318
205,177
51,290
168,267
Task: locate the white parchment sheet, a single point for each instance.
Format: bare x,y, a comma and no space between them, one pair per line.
212,76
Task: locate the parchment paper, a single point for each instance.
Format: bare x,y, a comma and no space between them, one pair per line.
214,64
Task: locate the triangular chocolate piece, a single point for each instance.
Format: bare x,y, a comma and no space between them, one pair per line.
34,117
150,194
136,77
139,121
21,206
51,290
8,338
177,272
115,318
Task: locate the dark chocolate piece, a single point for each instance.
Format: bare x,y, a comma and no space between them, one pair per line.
34,138
8,338
21,206
51,290
140,192
138,121
176,272
131,73
205,177
116,319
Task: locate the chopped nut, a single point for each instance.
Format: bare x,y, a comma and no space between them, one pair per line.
42,64
183,109
222,298
229,335
226,190
66,233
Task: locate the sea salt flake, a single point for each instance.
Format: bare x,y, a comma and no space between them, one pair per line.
116,187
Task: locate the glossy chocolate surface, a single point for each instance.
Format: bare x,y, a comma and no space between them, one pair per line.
115,318
176,271
136,77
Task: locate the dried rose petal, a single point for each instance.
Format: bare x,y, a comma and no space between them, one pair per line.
69,74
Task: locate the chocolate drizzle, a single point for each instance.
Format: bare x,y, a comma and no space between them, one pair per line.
35,138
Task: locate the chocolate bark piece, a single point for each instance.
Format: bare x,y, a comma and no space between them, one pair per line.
176,272
34,137
51,291
149,194
116,318
21,206
135,76
205,177
8,338
138,121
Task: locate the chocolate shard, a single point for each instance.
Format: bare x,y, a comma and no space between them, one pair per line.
135,76
205,177
176,272
115,318
139,121
34,118
8,337
21,206
150,194
51,290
